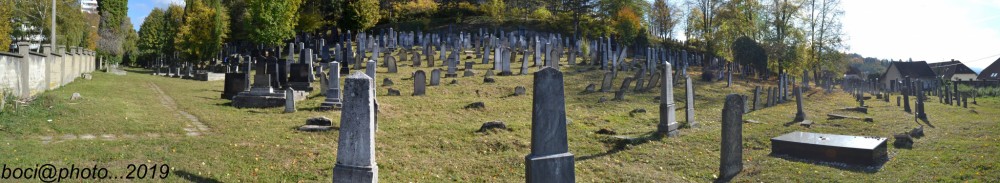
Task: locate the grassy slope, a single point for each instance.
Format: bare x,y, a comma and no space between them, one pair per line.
431,138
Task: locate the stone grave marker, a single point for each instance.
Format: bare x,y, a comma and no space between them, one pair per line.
731,153
800,115
620,94
435,77
356,144
469,71
333,88
419,83
391,64
606,84
550,160
690,102
668,124
289,100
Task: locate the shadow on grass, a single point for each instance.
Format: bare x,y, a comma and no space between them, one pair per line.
194,178
622,143
137,70
928,122
870,169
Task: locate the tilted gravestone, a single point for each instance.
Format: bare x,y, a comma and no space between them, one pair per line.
419,83
606,84
620,94
668,124
356,144
435,77
690,102
731,153
550,160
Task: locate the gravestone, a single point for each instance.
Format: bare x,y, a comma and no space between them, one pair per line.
356,144
756,94
919,105
419,83
640,77
452,65
416,59
690,102
391,62
333,94
468,70
299,78
234,84
906,100
289,100
731,153
524,64
668,124
261,94
800,115
550,160
606,84
862,150
435,77
620,94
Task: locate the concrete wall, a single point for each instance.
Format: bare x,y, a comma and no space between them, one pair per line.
27,73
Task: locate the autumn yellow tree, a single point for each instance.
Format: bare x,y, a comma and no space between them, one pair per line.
205,27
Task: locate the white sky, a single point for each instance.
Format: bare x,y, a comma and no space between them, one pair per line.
925,30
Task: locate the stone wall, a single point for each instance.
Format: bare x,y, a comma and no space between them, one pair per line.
27,73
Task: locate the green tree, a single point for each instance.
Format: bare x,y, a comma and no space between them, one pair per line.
151,35
174,19
494,9
627,25
112,28
664,18
201,35
6,13
360,15
267,21
784,39
130,52
310,16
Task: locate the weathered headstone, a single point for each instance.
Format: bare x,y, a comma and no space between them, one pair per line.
550,160
419,83
620,94
391,64
606,84
289,100
468,70
356,144
731,153
800,115
435,77
690,103
668,124
333,88
756,94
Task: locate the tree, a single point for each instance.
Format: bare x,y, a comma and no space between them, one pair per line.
663,17
627,25
205,26
360,15
174,19
130,52
310,16
784,38
706,14
494,9
748,52
267,21
824,33
112,28
151,35
6,13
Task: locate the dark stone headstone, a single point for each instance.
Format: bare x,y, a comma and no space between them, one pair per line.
620,94
800,115
234,84
606,84
419,83
550,160
299,78
435,77
356,144
393,92
731,153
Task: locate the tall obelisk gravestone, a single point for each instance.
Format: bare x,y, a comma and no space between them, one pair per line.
356,144
668,124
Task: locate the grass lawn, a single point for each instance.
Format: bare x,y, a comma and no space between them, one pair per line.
432,138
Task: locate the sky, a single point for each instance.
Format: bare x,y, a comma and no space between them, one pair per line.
924,30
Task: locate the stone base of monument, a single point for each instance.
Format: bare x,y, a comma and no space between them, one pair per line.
539,168
301,86
671,129
343,173
847,149
451,75
264,100
209,76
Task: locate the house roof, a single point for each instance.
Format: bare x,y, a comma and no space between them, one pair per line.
950,68
918,69
992,72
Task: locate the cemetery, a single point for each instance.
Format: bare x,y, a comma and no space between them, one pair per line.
481,103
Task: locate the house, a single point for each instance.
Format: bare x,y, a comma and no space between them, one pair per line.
991,73
953,70
897,71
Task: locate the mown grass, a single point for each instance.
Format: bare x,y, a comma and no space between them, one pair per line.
432,138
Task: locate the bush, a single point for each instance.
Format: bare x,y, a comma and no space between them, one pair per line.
541,14
416,9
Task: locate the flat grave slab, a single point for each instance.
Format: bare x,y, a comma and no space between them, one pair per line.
831,147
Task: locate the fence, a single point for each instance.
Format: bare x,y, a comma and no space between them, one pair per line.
27,73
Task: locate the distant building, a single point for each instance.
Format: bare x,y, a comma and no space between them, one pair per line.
991,73
953,70
897,71
88,6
